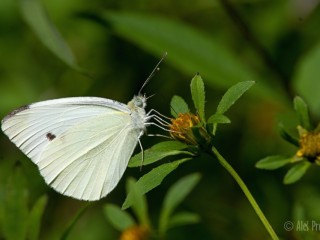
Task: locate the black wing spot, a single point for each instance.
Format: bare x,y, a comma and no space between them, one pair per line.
50,136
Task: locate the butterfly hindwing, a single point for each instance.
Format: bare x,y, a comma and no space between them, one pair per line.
86,162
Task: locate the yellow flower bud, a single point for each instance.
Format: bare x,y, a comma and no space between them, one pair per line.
309,144
137,232
181,129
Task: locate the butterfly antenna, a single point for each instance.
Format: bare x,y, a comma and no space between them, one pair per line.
153,72
150,96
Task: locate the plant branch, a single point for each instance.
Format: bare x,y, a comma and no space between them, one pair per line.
245,30
246,192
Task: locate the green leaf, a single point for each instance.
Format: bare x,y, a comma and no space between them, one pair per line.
273,162
198,95
183,218
16,209
288,136
34,220
232,95
296,172
74,220
214,120
178,105
189,49
119,219
158,152
35,15
139,202
176,194
302,111
153,179
218,118
306,81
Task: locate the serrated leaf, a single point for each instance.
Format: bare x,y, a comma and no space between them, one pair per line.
34,220
139,202
15,209
176,194
183,218
296,172
74,220
273,162
288,136
35,15
158,152
198,95
232,95
153,179
178,105
302,111
119,219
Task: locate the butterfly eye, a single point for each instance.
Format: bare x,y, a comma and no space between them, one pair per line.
140,101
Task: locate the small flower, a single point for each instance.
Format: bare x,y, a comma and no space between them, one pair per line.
137,232
183,128
309,144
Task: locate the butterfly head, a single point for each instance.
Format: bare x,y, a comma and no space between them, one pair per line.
139,101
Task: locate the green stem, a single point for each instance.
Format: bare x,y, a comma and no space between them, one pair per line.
246,191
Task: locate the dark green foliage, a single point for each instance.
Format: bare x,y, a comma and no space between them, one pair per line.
45,47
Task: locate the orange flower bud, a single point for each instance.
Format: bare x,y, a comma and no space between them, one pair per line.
181,129
309,144
137,232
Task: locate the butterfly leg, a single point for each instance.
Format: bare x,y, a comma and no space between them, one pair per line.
142,151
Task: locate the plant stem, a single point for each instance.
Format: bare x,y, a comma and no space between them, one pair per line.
246,191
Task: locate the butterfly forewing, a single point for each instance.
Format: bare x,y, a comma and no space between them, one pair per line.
81,145
35,125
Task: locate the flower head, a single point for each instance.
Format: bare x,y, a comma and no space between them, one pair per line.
309,144
182,129
137,232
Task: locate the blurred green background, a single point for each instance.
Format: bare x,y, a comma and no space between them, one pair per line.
53,48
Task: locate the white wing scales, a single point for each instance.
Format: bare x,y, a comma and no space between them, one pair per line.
81,145
89,167
28,128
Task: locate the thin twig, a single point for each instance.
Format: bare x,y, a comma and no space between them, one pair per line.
247,33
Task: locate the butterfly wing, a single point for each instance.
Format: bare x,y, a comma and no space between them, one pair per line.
81,145
88,160
32,126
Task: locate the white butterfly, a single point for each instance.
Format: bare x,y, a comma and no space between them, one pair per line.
81,145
